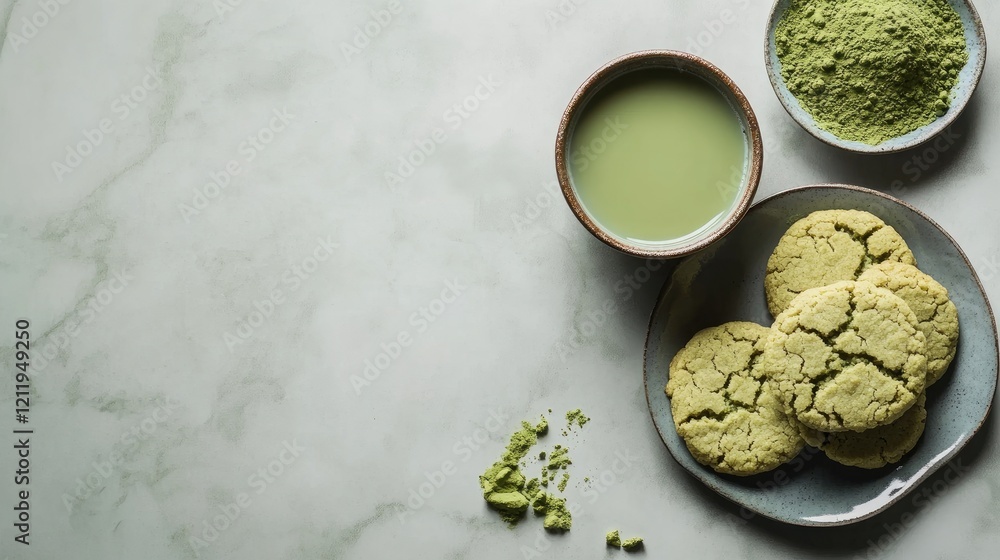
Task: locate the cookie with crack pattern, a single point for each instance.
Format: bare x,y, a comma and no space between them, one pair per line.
829,246
875,448
937,315
723,405
847,357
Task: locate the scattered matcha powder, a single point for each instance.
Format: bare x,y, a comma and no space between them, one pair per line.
502,487
871,70
503,484
532,488
559,458
506,491
557,515
563,482
542,427
613,539
632,544
540,503
576,416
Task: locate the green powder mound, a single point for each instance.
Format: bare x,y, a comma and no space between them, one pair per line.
632,544
548,475
871,70
503,484
502,487
613,539
520,443
542,427
532,488
557,515
577,417
541,503
506,490
559,459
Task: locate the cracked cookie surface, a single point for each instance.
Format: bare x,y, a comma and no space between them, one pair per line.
877,447
723,405
826,247
937,315
846,357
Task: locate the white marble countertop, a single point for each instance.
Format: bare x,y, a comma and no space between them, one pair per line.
198,223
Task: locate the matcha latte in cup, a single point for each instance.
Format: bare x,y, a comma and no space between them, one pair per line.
659,154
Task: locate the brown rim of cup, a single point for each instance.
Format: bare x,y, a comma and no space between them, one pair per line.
672,60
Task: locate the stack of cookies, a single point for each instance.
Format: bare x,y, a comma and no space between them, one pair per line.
859,334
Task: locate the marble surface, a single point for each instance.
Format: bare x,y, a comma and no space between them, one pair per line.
198,223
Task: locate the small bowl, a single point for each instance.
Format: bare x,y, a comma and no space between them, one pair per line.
968,79
672,61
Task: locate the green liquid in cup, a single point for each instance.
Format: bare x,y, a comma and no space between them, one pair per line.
658,156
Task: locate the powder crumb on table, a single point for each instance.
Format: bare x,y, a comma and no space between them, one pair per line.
613,539
557,514
503,484
559,458
563,482
577,417
635,543
542,427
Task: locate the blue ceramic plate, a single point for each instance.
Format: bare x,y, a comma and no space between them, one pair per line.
726,283
968,79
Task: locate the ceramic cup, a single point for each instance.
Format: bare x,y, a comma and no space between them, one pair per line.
667,61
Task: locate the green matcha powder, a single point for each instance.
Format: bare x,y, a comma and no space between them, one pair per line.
506,489
503,484
871,70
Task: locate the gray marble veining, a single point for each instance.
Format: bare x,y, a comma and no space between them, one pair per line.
288,263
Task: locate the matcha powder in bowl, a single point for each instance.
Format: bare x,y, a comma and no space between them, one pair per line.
871,70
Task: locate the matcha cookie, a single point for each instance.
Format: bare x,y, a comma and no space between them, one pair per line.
875,448
826,247
847,357
937,315
723,405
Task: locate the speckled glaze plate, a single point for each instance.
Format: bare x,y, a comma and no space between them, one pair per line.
725,283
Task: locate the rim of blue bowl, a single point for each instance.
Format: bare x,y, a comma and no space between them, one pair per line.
929,131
